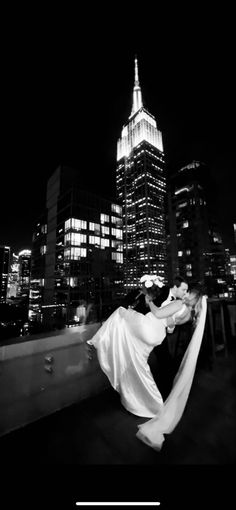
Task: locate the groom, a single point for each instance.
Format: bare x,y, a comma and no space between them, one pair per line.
167,294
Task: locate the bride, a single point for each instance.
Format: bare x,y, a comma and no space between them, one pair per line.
125,341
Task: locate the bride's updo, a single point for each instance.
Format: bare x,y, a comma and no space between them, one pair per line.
193,300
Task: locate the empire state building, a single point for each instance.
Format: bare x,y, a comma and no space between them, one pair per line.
141,189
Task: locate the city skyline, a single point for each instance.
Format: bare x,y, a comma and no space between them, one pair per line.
70,110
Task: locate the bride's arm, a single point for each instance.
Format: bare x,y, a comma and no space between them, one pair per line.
183,318
165,311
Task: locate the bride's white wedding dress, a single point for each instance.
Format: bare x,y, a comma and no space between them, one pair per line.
123,344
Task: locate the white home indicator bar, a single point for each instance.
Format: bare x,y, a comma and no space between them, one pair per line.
116,503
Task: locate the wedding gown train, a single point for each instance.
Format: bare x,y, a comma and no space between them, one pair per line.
152,432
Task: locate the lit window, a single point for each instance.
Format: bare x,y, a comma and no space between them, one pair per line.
117,221
118,257
75,239
75,253
117,233
43,250
73,282
116,208
94,240
188,252
105,230
180,253
104,218
182,204
44,229
185,224
75,224
105,243
117,244
94,226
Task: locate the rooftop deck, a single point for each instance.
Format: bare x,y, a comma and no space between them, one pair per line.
67,438
99,431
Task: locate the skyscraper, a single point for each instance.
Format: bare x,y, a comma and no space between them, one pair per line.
13,280
194,245
141,189
37,273
24,275
4,271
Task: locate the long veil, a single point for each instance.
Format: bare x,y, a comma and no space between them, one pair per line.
152,432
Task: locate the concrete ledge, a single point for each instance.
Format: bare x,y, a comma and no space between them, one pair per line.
40,377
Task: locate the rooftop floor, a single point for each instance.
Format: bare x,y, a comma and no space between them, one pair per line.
99,431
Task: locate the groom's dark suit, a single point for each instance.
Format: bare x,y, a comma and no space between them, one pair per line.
164,367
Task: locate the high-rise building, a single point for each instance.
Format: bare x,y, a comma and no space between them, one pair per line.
37,273
188,236
216,270
141,189
24,275
83,251
194,245
233,266
13,280
4,271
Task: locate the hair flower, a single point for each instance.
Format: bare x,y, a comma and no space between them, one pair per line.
148,284
158,281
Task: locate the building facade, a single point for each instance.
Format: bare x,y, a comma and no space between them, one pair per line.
24,260
194,245
83,251
188,237
37,274
4,271
141,190
13,281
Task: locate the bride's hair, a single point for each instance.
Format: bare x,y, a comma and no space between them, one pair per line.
153,291
197,290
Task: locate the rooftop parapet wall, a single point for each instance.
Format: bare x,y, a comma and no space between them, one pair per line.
39,377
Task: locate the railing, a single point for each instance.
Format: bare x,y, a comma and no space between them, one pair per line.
220,327
219,333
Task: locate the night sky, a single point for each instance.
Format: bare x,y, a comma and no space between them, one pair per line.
67,95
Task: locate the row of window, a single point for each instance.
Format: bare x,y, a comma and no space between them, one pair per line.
77,239
78,253
75,224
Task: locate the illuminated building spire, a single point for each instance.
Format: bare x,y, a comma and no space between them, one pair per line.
137,94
